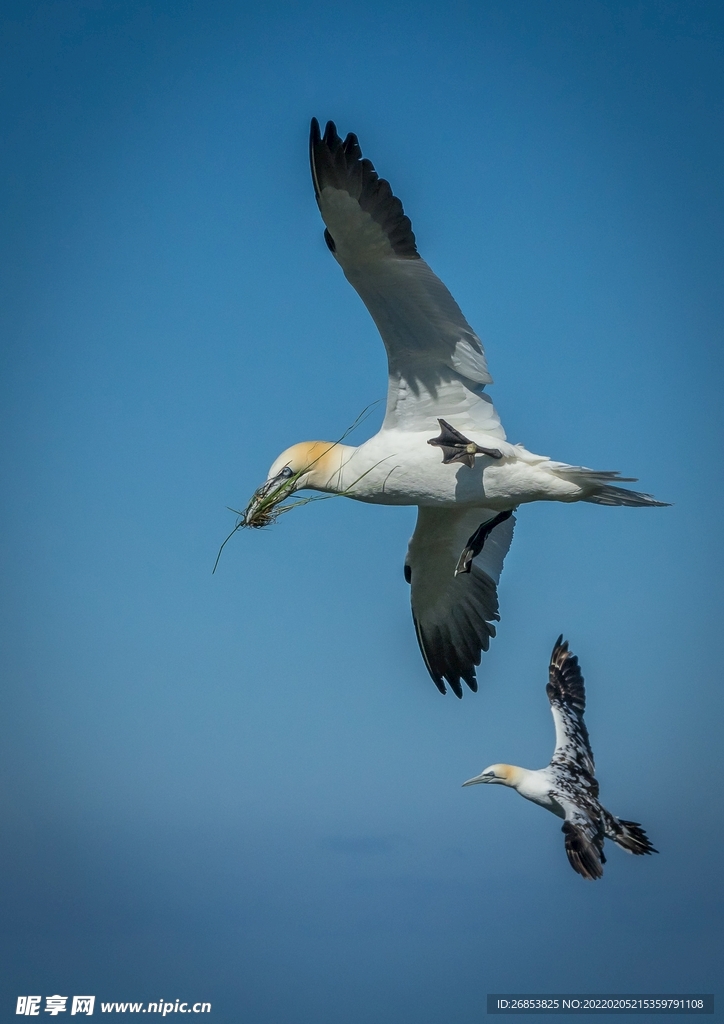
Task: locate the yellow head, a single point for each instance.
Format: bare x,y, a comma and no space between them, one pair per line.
308,464
500,774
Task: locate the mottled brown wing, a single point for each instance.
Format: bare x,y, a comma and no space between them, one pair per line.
567,696
584,843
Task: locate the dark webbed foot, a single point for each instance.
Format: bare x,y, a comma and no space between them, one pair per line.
458,448
475,545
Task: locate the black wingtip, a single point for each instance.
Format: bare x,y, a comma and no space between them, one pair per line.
315,138
330,140
315,132
566,682
331,137
559,645
339,164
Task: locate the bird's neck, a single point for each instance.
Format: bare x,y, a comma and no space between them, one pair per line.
533,785
328,470
514,775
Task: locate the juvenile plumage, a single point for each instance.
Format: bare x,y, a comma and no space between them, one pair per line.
568,786
465,480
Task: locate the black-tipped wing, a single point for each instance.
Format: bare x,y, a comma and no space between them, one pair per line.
454,615
567,696
436,361
350,190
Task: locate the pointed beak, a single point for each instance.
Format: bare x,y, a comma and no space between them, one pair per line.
265,499
266,489
478,778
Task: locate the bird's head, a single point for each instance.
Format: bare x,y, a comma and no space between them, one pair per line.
502,774
309,464
304,465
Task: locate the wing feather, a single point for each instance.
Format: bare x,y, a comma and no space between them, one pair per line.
437,365
584,845
454,615
567,696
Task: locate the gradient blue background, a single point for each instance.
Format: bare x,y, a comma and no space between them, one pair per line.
243,788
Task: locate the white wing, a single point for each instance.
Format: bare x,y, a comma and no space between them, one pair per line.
454,615
437,365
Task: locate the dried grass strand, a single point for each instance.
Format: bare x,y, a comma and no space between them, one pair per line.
261,513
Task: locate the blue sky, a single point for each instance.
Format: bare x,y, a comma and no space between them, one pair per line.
243,788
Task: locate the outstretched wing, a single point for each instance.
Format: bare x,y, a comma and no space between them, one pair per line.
584,843
436,361
567,695
454,615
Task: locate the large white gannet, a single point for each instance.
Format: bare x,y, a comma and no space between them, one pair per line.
437,376
568,786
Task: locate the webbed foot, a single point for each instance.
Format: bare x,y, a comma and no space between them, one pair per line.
458,448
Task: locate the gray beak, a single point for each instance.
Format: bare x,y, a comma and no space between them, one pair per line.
266,488
477,779
267,497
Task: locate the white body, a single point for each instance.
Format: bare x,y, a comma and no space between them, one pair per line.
399,467
539,787
437,376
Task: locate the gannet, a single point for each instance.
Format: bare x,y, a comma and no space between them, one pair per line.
437,376
568,786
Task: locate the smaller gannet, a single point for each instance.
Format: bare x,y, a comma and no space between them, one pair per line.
568,786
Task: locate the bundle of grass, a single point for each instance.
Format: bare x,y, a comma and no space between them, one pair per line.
269,501
267,504
265,507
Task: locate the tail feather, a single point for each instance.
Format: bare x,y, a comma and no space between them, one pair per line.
601,485
628,835
608,495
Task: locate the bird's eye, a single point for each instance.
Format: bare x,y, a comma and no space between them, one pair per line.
287,472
